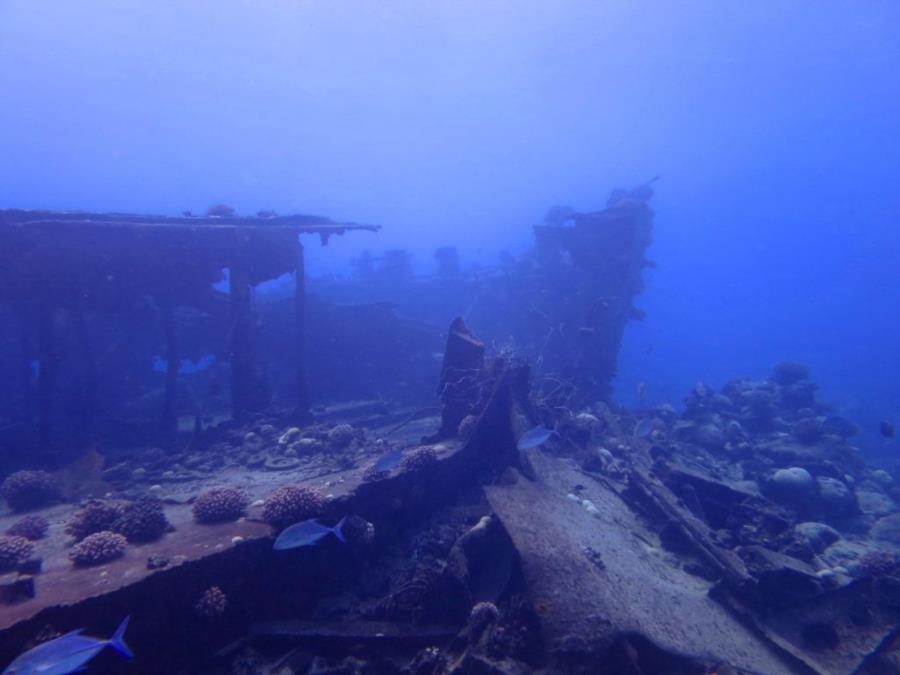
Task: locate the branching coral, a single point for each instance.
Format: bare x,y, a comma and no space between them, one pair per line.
30,527
95,515
25,490
98,548
212,604
142,521
14,550
291,504
220,505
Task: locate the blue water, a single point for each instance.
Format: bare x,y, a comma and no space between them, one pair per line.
774,127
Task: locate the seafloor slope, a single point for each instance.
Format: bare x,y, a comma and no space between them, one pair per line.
744,535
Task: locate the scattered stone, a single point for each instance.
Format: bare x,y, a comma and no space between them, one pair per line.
835,496
874,503
788,372
887,529
283,463
883,477
467,426
31,566
340,436
839,426
16,588
879,563
157,562
710,437
289,436
818,536
256,461
117,473
253,442
807,430
781,579
794,484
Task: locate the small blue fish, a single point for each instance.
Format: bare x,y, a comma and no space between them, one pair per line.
535,437
389,460
307,533
643,428
67,654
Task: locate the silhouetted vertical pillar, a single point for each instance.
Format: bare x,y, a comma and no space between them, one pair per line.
48,359
173,360
26,369
300,332
88,402
241,349
461,377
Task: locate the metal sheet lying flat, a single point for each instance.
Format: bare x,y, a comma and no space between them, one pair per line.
598,573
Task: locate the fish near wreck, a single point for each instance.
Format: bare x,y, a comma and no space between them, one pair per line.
308,533
389,460
68,653
535,437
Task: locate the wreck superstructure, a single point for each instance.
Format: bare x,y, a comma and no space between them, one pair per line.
59,270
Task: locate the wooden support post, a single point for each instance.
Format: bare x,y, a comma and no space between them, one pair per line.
300,333
173,361
241,349
48,358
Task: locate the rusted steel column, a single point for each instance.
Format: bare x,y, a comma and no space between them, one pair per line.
173,360
300,332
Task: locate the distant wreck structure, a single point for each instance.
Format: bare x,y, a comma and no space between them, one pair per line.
83,287
592,271
565,307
